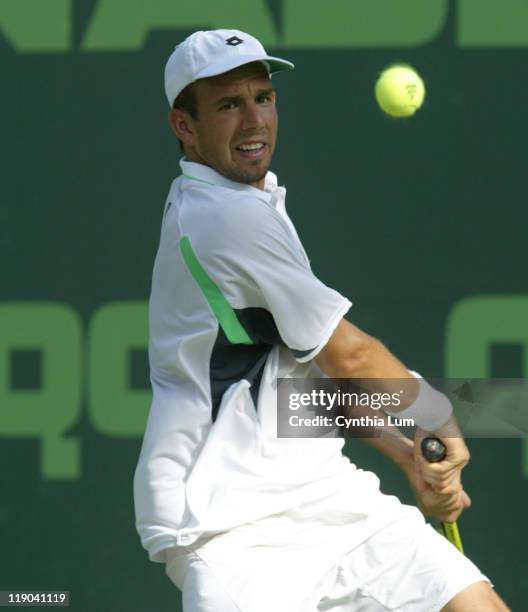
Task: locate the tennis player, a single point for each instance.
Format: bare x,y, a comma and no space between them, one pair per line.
244,520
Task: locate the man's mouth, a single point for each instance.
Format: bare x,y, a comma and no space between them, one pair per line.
251,150
250,147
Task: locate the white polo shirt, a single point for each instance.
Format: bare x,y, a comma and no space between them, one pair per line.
234,305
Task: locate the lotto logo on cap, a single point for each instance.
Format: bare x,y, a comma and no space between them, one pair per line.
209,53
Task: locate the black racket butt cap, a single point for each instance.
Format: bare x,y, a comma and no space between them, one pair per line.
433,449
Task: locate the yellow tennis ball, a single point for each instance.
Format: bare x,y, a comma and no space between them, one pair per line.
400,91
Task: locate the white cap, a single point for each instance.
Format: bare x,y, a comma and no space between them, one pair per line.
206,54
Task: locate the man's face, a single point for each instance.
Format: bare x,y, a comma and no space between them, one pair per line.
236,128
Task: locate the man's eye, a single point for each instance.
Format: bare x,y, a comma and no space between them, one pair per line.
228,106
265,98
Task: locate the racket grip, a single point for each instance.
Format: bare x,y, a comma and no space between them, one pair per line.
434,450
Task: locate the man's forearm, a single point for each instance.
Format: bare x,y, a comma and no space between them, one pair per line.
394,445
350,353
387,439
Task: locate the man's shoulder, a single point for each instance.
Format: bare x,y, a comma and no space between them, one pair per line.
225,212
221,196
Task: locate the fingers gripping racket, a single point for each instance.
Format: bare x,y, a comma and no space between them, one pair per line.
434,450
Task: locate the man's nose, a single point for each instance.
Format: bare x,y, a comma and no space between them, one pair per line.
253,116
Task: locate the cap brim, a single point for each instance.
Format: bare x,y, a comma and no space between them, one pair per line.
275,65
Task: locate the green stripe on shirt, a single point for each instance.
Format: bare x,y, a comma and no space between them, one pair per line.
221,308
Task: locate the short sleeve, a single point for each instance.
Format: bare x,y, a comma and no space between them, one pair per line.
256,261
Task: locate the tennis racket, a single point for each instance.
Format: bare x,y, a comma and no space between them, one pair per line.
434,450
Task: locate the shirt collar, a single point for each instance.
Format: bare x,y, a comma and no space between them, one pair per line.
205,174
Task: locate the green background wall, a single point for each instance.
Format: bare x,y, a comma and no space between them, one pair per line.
414,220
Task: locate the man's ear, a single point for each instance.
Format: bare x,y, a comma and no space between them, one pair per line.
182,125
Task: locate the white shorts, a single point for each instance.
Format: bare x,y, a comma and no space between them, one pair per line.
405,567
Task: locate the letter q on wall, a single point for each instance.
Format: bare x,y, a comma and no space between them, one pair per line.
47,412
51,334
115,408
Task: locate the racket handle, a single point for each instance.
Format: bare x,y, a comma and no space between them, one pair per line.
434,450
450,530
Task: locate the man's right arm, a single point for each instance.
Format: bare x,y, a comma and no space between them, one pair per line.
351,353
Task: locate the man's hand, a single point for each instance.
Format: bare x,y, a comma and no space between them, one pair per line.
445,506
437,486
